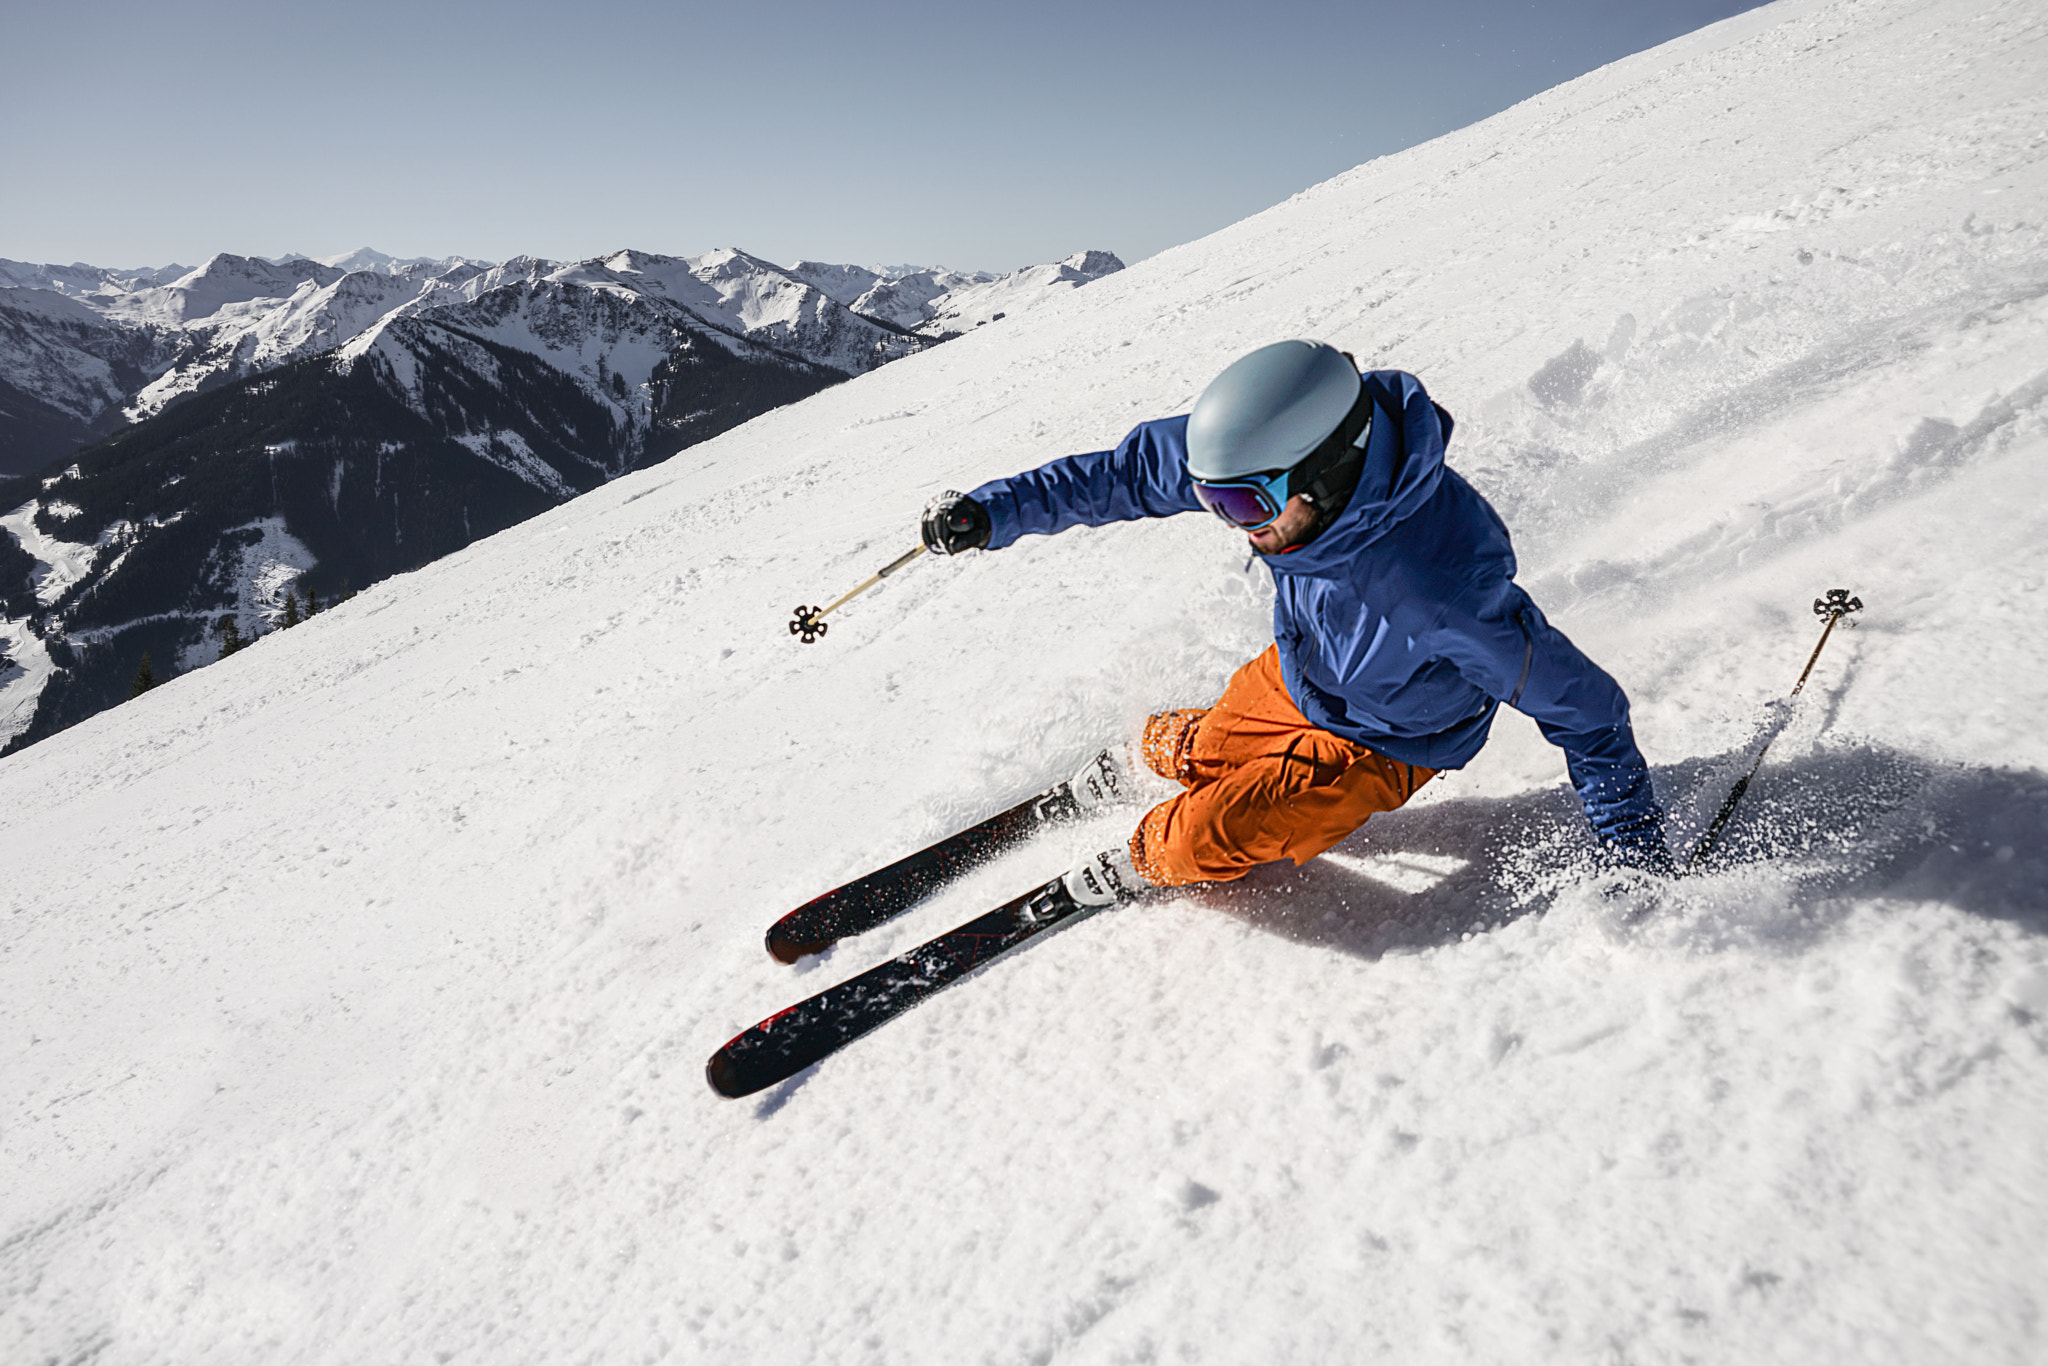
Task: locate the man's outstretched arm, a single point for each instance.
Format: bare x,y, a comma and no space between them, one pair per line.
1145,476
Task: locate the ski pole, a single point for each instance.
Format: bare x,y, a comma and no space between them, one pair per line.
1836,605
809,622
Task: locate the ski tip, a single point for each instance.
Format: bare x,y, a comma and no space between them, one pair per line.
724,1074
734,1075
787,948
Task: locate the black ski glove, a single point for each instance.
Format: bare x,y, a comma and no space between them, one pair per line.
953,522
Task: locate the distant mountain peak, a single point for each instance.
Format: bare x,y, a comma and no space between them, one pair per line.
362,258
1094,264
732,260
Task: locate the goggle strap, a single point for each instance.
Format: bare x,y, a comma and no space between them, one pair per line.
1331,470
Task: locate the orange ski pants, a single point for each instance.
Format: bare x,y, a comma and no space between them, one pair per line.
1262,783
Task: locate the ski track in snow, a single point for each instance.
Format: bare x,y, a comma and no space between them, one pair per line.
355,991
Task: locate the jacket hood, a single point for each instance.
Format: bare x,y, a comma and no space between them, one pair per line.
1394,483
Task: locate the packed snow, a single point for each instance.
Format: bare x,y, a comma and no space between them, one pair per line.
355,992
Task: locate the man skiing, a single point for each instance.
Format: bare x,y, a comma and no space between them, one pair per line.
1398,633
1398,627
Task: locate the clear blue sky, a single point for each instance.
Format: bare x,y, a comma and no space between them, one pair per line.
976,135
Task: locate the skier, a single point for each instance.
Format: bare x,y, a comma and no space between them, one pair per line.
1398,627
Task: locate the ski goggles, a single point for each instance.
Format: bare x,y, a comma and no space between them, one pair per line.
1249,503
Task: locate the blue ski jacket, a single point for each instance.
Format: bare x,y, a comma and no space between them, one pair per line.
1400,625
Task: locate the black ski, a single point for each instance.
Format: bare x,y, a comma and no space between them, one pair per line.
881,896
788,1041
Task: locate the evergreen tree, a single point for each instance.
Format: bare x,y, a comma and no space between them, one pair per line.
312,602
291,610
231,637
145,678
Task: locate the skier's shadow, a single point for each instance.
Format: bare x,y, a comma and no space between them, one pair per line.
1842,823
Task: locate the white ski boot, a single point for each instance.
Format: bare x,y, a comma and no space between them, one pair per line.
1106,878
1102,781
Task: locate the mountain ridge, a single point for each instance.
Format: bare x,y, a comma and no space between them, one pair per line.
188,329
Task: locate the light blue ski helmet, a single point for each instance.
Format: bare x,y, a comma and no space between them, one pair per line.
1270,410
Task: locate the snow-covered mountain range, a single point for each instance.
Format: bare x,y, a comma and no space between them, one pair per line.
271,423
84,350
355,992
900,295
369,258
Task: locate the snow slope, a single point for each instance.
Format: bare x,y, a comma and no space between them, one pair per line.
354,992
